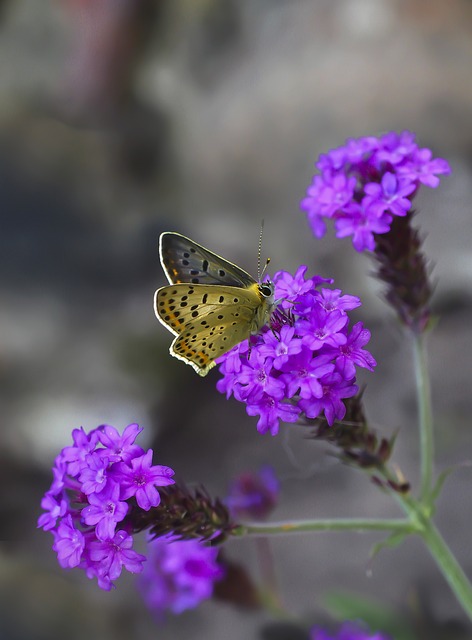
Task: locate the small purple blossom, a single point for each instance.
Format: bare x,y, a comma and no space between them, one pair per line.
303,378
305,365
290,287
93,475
333,389
55,508
322,328
69,543
94,479
270,411
253,495
108,557
120,447
389,195
351,353
280,347
105,510
331,299
362,222
365,183
75,456
141,478
348,631
255,379
178,575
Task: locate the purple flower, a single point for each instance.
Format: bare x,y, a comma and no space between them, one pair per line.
55,508
322,328
108,557
389,195
365,183
329,194
178,575
93,479
141,478
254,495
59,473
120,447
362,222
105,510
288,285
351,353
94,476
331,299
254,379
280,347
75,456
302,376
69,543
270,411
394,148
423,169
334,388
306,363
348,631
231,366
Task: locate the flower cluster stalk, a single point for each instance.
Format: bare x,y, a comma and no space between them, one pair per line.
425,417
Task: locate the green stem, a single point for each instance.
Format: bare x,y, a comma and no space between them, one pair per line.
420,519
346,524
449,566
425,416
418,522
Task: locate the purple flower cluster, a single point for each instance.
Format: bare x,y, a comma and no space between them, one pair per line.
93,481
179,574
366,182
305,363
253,495
348,631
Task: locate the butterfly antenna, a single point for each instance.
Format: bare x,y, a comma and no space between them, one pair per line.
260,273
259,251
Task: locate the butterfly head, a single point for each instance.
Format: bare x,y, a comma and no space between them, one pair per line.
266,290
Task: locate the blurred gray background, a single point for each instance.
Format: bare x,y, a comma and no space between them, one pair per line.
120,119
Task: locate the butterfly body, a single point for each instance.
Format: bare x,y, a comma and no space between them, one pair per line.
211,304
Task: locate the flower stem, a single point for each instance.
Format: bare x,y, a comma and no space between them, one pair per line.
425,416
346,524
449,566
420,518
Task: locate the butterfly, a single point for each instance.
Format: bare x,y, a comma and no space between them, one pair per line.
210,305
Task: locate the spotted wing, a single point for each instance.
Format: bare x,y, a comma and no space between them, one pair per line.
183,260
207,321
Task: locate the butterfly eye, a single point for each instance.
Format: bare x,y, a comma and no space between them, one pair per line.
266,290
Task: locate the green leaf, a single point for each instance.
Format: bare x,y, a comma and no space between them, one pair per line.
393,540
442,479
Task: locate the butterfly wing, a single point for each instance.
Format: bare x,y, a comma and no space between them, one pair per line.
207,320
183,260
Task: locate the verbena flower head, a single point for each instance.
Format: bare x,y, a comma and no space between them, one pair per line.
179,574
305,363
95,481
253,495
348,631
366,183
